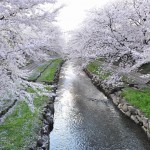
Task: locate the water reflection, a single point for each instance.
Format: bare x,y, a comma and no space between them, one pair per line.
86,120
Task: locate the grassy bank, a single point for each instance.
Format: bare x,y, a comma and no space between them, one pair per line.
36,72
139,98
20,129
49,73
95,67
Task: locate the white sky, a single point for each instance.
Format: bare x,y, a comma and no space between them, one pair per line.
72,15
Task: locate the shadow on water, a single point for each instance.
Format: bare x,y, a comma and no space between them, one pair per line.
86,120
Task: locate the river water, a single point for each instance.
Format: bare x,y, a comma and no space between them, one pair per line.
86,120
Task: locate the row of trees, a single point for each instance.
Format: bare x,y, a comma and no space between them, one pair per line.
26,26
121,28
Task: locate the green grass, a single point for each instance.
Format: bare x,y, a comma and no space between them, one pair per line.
20,129
30,90
38,70
48,88
48,74
95,68
138,98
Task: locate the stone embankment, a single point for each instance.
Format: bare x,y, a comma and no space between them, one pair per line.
115,95
47,118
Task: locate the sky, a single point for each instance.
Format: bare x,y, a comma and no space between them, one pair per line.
74,12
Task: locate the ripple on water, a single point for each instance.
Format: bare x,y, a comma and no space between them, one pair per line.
86,120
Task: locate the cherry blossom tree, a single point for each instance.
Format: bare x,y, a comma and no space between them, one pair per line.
120,29
25,28
120,33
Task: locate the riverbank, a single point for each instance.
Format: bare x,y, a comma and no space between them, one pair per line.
23,129
131,98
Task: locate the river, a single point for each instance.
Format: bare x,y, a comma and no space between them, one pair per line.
86,120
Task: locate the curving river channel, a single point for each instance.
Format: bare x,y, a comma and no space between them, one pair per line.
86,120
